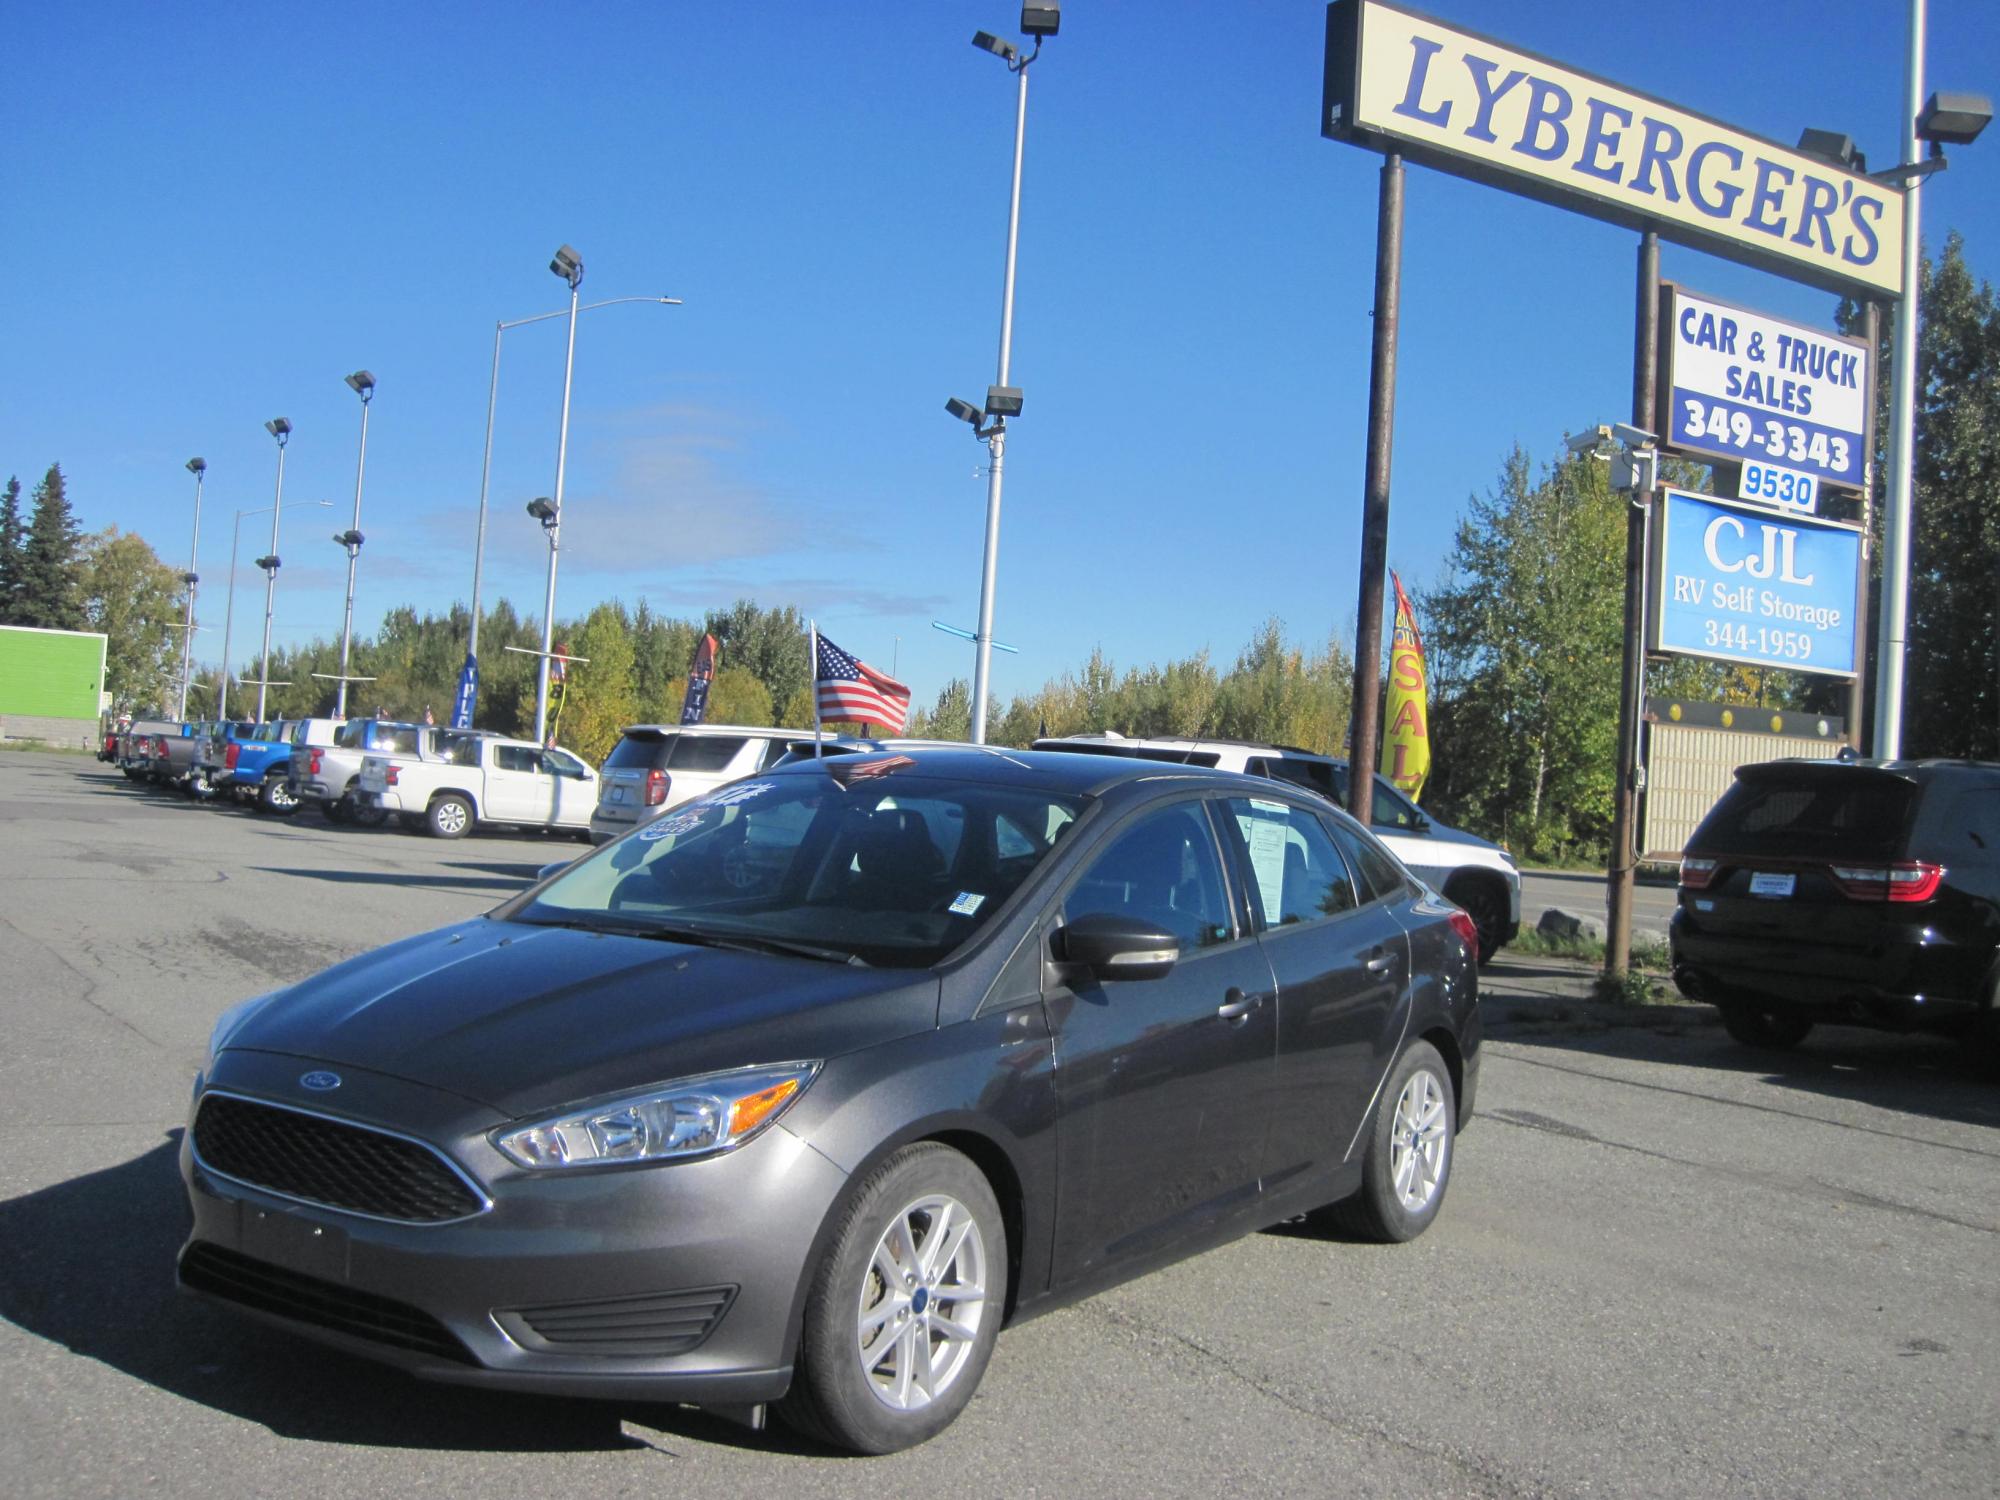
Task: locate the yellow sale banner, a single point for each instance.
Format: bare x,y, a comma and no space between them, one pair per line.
1406,744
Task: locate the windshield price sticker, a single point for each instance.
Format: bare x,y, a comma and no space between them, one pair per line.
1743,583
1786,487
1745,386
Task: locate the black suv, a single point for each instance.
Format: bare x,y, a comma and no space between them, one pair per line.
1865,893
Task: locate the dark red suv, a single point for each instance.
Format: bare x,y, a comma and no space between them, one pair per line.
1863,893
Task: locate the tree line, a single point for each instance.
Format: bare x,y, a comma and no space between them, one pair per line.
1522,627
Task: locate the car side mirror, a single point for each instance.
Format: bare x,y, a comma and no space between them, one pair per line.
1113,946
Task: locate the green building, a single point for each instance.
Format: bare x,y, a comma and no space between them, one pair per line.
51,684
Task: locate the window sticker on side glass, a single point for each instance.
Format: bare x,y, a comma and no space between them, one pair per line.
967,903
1278,809
1266,839
729,796
673,823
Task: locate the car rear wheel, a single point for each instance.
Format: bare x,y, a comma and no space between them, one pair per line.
1769,1031
450,816
904,1308
1485,901
1408,1165
276,797
336,809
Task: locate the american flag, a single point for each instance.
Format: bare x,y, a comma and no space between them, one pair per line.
849,688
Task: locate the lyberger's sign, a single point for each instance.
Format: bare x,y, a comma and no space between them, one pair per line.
1464,104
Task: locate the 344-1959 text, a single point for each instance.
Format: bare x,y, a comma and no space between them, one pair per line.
1792,645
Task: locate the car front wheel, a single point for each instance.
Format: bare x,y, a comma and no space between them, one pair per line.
904,1308
1408,1165
276,797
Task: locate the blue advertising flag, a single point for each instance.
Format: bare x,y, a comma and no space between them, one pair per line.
468,693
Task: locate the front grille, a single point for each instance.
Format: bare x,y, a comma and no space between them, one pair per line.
657,1324
330,1162
324,1304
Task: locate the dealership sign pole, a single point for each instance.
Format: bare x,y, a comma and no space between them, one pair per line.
1406,85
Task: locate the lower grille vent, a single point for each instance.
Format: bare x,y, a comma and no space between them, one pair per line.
324,1304
658,1324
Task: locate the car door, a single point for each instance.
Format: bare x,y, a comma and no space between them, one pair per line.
1162,1083
517,790
1341,960
575,788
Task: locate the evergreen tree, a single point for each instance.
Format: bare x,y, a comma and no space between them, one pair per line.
51,569
10,553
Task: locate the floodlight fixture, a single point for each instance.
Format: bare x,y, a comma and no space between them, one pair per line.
279,428
1007,52
269,563
190,579
543,510
1834,148
1040,18
363,383
349,538
1003,401
965,411
1953,119
197,466
568,265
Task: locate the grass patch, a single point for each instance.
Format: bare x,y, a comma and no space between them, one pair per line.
43,747
1645,982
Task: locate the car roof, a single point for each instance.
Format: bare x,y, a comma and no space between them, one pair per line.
1051,770
756,731
1112,739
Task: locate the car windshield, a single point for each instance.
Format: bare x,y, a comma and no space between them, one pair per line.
885,867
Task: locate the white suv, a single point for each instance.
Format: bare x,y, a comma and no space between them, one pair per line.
1477,874
658,766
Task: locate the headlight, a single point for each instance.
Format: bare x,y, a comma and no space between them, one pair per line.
670,1122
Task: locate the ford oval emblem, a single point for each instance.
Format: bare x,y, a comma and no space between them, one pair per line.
320,1082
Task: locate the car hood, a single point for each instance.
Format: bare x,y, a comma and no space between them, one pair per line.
524,1019
1444,834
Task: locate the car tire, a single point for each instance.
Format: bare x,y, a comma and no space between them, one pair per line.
275,798
449,817
1410,1145
859,1382
336,810
1485,901
1768,1031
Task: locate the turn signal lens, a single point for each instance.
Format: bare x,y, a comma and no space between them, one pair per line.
1697,873
747,1113
1466,928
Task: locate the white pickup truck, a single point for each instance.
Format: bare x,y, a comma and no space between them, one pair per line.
486,780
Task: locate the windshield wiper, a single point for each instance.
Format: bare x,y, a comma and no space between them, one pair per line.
750,943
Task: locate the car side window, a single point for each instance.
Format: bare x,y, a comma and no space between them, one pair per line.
1296,873
516,758
562,763
1391,809
1376,872
1164,870
1972,827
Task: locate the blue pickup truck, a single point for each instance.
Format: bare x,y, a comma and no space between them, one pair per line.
252,761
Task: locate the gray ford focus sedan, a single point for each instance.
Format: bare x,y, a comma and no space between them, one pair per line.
797,1095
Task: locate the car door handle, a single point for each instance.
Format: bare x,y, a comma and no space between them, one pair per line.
1236,1005
1381,961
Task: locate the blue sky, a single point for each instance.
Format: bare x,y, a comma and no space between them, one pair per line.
218,211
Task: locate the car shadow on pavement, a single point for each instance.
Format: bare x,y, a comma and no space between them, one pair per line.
1936,1077
93,1271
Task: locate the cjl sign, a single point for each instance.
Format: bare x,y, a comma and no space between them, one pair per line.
1740,583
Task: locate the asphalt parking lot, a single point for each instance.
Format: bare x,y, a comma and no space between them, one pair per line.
1665,1267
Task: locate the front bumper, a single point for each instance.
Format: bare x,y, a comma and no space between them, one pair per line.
498,1298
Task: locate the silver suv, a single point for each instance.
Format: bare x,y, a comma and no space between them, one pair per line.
658,766
1475,873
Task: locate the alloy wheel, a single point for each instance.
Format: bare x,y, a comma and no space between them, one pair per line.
922,1303
1419,1140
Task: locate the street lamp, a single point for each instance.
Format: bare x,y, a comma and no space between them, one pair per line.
199,468
1039,19
281,429
568,265
363,385
229,612
1947,119
486,464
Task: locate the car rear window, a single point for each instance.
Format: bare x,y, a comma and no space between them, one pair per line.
1809,812
641,752
1132,752
703,752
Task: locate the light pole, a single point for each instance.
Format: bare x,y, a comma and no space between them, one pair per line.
486,463
363,385
1039,19
281,429
1947,119
199,468
229,611
568,265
